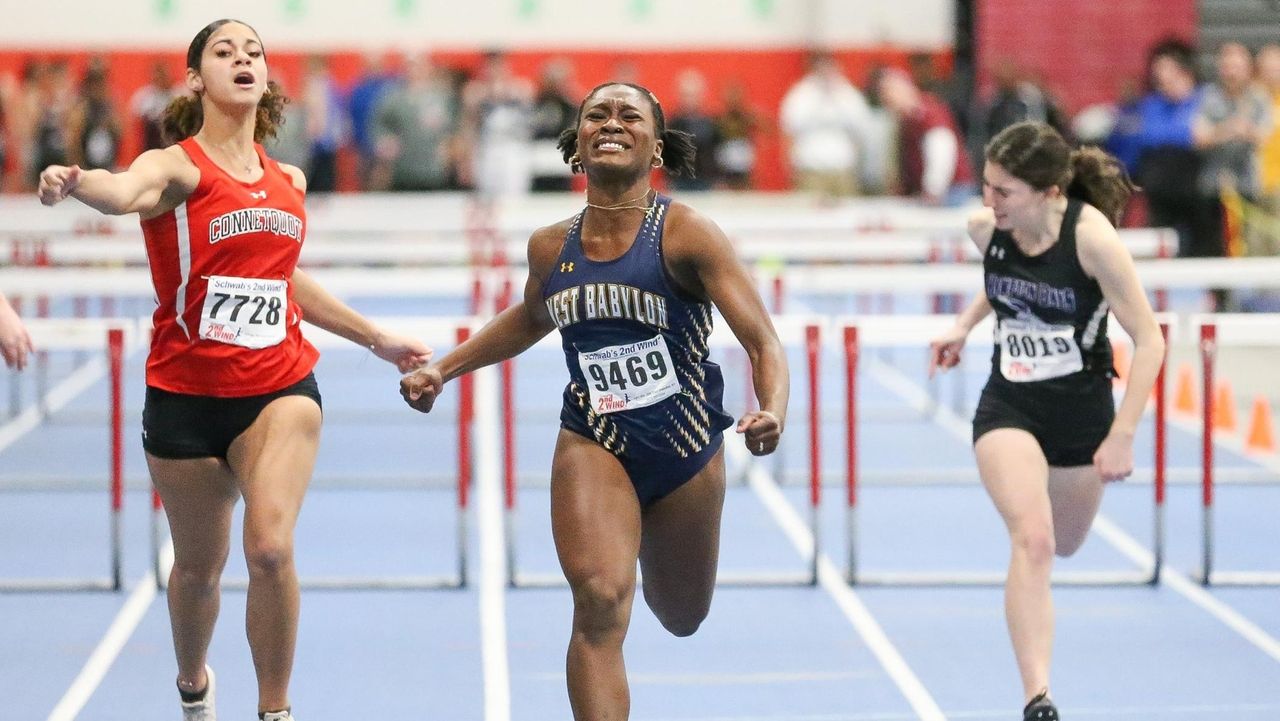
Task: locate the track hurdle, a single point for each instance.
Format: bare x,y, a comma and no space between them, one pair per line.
115,335
862,332
1214,331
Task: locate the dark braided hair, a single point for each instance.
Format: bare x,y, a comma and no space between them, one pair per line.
1035,153
678,149
184,115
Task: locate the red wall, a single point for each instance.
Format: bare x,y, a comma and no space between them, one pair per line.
1084,49
766,74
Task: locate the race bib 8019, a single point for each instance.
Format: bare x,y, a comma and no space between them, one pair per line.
633,375
1036,351
248,312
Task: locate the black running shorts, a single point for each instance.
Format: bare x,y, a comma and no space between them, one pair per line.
178,425
1069,422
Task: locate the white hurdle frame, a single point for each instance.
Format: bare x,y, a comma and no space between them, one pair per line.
342,248
859,332
115,335
803,329
1213,330
431,329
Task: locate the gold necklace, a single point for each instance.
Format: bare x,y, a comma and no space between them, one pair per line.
628,204
237,163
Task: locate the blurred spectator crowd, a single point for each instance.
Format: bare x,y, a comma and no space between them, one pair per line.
1197,133
412,126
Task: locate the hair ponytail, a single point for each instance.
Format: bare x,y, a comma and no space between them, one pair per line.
1100,180
678,153
270,112
182,118
1037,154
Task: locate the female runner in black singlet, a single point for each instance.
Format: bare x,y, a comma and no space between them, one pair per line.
1046,433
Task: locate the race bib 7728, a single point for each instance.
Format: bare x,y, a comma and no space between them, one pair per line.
248,312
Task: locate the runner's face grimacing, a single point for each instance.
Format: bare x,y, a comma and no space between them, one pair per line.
617,131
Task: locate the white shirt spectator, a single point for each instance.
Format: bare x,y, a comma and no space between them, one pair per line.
826,118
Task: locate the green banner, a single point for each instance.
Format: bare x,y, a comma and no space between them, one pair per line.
527,9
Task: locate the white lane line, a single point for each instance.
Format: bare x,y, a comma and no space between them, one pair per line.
493,579
1103,526
108,649
831,580
732,679
1137,712
59,396
1189,589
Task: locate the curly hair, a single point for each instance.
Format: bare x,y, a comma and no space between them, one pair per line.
185,114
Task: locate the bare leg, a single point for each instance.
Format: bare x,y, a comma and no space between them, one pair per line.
1015,473
273,460
1076,494
199,496
595,518
680,548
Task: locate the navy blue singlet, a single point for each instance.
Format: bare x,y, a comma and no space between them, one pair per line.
636,348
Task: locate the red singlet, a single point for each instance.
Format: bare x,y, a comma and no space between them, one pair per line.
222,264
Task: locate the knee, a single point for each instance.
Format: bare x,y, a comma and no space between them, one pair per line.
1036,544
268,556
198,576
680,619
601,606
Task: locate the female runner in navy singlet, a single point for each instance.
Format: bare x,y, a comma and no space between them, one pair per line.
232,407
638,470
1046,434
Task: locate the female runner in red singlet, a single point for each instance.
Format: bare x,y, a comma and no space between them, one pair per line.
232,406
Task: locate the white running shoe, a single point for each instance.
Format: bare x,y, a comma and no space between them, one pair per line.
201,710
284,715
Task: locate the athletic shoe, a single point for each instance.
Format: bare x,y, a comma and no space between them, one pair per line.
1040,709
201,710
284,715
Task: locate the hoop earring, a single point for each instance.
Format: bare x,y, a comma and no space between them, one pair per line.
658,162
575,163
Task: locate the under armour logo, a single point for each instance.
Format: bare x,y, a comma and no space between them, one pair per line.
566,267
996,252
258,194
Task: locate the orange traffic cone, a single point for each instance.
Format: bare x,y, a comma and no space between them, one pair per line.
1224,408
1262,436
1120,359
1184,398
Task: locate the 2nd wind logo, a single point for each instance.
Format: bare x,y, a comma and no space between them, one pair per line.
255,220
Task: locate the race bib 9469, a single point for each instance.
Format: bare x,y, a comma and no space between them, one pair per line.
248,312
633,375
1036,351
